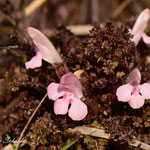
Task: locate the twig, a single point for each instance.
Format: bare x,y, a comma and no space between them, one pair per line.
120,8
143,145
101,133
76,29
30,119
33,6
95,10
84,10
148,59
80,29
91,131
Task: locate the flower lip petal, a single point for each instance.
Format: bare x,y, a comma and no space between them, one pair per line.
53,92
137,101
35,61
145,90
124,92
78,110
60,107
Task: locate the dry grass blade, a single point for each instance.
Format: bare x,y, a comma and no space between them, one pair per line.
95,10
101,133
120,8
78,73
30,119
76,29
33,6
84,7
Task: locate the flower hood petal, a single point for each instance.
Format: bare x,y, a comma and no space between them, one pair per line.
140,25
78,110
35,62
46,48
145,90
134,77
124,92
70,81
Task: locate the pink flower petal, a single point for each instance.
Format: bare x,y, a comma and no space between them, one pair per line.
145,90
60,107
53,92
134,77
146,39
130,31
46,48
36,61
70,81
137,101
140,25
124,92
78,110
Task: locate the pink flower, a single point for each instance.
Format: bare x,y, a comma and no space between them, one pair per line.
69,91
45,50
36,61
132,92
139,27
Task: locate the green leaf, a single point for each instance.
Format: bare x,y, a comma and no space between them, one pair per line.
12,144
69,145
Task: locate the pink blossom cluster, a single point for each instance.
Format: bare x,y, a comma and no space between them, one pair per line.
68,94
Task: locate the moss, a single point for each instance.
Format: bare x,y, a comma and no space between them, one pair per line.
39,131
95,143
